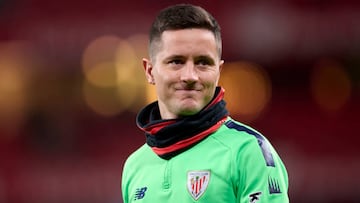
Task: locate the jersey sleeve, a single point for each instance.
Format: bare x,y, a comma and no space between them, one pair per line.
262,175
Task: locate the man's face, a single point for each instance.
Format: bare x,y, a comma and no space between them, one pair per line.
185,71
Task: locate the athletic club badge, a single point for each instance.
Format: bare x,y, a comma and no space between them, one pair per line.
197,182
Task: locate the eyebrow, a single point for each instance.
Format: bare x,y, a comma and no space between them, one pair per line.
205,57
175,57
208,57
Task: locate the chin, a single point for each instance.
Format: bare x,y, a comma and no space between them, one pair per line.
189,107
183,114
189,111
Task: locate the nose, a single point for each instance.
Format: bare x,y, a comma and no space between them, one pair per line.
189,73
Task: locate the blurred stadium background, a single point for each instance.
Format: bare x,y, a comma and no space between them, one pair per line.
71,82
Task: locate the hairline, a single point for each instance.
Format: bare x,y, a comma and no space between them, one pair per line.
156,43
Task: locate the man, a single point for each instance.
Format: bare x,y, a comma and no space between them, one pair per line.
194,151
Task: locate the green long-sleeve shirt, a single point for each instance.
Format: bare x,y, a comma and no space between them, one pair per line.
235,164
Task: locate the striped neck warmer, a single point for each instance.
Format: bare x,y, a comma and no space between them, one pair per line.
167,138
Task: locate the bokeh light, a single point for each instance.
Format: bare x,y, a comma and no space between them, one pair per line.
330,85
140,43
248,89
103,101
113,65
102,74
130,82
151,95
98,61
14,64
125,61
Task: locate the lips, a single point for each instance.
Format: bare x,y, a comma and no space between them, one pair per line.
188,88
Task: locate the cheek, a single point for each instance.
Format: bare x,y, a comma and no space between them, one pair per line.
213,79
161,80
162,83
165,78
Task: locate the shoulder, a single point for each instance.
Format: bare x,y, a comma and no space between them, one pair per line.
242,129
243,139
137,156
235,132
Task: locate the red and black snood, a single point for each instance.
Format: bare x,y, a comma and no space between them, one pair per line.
167,138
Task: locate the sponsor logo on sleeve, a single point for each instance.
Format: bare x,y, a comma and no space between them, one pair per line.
254,197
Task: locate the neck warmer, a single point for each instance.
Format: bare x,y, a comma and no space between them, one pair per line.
169,137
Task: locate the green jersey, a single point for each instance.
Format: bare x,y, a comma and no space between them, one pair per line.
235,164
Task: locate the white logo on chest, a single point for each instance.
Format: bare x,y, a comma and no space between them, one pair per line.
197,182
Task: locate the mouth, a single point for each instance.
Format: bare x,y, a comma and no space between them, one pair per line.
188,88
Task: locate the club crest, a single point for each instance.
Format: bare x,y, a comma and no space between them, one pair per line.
197,182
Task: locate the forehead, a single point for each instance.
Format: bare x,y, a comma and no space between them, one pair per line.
188,41
189,32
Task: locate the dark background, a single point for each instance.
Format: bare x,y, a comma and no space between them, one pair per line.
71,82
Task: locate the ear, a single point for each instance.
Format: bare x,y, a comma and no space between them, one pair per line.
148,67
221,64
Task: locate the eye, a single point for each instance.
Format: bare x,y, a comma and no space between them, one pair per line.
175,61
203,62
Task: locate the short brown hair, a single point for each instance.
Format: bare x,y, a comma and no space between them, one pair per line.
183,16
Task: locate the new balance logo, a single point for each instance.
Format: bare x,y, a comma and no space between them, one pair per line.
140,193
274,187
